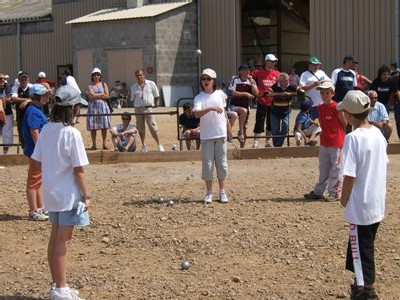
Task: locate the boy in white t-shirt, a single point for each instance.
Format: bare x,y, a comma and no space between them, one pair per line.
123,135
364,167
61,154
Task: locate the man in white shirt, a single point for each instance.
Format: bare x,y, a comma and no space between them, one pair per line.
309,80
145,95
378,115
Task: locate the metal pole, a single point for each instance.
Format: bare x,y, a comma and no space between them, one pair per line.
18,46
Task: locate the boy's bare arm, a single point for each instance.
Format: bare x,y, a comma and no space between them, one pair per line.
341,117
348,183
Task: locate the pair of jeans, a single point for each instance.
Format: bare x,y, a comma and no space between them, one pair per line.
279,128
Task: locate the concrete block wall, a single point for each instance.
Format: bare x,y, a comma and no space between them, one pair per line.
168,42
176,40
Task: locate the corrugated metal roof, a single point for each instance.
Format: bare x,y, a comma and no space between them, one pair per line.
113,14
24,10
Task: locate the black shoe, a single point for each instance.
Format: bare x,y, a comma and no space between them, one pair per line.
312,143
314,196
366,294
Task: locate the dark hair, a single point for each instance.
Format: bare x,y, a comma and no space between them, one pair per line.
186,106
214,84
62,114
35,97
126,114
92,76
382,70
67,72
362,116
394,65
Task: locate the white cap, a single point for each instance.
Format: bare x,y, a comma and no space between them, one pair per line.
270,57
68,96
327,84
41,75
209,72
355,102
96,70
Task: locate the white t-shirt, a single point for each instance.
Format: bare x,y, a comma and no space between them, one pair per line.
365,158
60,149
72,83
212,124
308,78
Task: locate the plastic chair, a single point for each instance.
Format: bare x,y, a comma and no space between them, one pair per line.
124,100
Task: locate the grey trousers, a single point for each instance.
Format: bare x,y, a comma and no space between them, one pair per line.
329,171
214,151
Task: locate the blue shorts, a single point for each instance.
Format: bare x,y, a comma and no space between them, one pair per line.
69,218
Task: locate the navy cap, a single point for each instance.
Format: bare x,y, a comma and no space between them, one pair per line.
305,105
244,66
349,57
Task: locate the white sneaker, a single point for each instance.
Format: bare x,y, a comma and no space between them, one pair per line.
255,144
37,215
144,148
208,198
161,148
119,106
268,144
223,198
71,294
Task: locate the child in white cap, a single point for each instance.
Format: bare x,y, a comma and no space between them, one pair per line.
61,154
364,168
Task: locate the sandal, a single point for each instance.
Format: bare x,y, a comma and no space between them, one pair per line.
92,148
106,148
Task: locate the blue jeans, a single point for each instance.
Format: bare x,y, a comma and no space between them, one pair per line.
396,108
279,126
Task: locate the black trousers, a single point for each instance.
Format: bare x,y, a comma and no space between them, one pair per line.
360,252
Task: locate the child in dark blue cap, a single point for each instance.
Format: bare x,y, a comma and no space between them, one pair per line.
306,129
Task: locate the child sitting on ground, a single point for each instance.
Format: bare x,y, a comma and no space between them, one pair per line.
305,128
123,135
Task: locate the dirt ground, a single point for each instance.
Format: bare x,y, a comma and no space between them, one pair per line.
268,242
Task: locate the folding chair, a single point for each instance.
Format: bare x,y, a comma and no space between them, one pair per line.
123,100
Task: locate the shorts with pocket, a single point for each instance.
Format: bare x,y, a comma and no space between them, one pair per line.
69,218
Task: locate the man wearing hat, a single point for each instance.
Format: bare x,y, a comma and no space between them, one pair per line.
20,96
309,80
243,90
364,167
344,78
265,78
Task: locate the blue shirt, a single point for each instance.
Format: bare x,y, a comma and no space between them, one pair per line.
304,119
34,118
378,113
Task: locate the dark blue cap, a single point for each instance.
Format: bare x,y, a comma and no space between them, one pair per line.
244,66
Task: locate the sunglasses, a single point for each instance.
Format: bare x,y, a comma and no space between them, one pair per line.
2,78
206,78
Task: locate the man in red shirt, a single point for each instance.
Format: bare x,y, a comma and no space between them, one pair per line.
265,78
